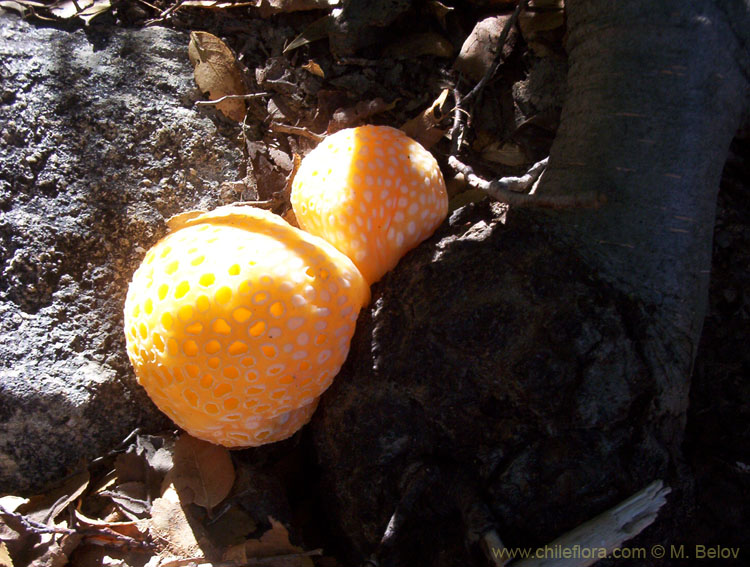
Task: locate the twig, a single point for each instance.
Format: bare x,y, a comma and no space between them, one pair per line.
102,535
296,130
249,561
498,56
33,526
231,97
166,13
493,547
457,131
114,495
607,531
507,189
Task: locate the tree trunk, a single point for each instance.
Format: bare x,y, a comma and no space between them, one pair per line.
545,357
656,92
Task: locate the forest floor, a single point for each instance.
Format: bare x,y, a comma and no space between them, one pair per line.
392,82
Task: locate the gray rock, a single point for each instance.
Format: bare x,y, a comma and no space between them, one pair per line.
100,145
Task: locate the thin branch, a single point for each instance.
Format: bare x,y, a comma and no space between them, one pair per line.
506,189
296,130
607,531
33,526
457,130
166,13
94,534
179,562
498,56
231,97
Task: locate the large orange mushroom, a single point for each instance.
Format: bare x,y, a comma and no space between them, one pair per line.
372,192
236,322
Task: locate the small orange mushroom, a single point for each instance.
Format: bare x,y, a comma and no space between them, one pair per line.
236,322
372,192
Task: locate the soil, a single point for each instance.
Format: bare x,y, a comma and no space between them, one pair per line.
718,430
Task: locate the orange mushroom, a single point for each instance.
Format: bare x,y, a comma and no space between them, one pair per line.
236,322
372,192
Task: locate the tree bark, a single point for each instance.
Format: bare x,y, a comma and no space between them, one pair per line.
548,354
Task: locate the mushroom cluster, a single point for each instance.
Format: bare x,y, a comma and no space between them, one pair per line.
236,322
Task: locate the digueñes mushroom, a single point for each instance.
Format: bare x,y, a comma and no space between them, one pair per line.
236,322
372,192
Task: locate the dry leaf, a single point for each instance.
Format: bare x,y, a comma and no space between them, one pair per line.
534,22
217,73
86,10
360,112
479,49
57,551
440,11
5,560
135,529
274,543
314,68
426,128
171,526
44,508
541,24
231,528
131,499
11,503
505,153
315,31
203,473
21,7
418,44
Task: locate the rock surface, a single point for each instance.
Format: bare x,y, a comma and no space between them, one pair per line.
100,145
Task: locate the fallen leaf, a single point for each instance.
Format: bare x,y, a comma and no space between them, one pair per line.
5,560
11,503
428,127
134,529
217,73
479,50
314,68
86,10
360,112
274,543
440,11
203,473
131,498
57,551
542,24
231,528
505,153
44,508
418,44
315,31
173,528
21,7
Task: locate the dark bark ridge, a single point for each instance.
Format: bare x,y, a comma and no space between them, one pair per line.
497,352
